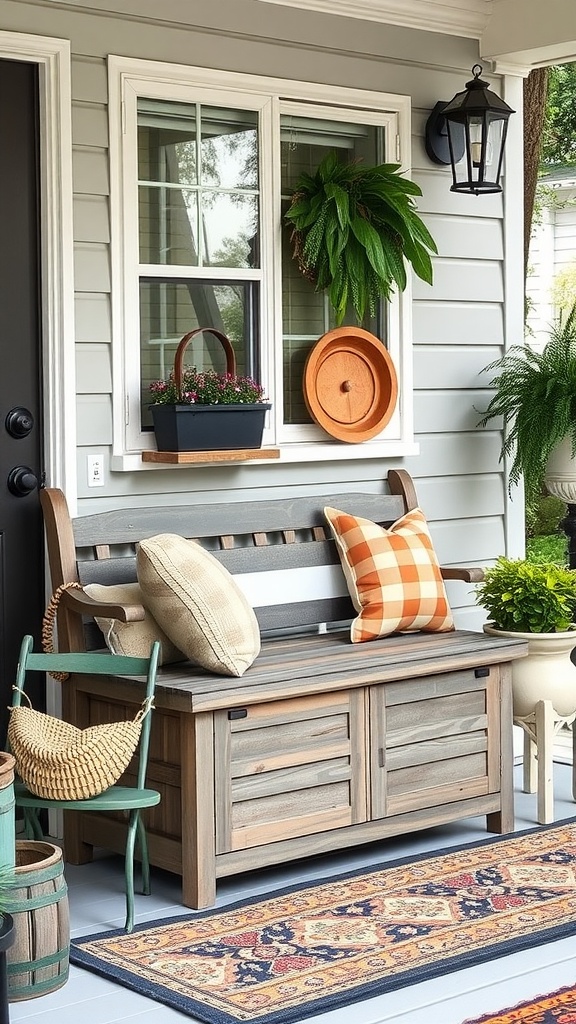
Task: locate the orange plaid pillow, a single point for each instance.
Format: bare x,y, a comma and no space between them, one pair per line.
393,575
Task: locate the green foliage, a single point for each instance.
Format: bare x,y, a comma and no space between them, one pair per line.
553,548
536,398
559,133
545,539
544,514
353,229
7,885
546,198
564,287
526,597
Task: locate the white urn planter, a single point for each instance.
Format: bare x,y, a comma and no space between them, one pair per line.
560,476
546,673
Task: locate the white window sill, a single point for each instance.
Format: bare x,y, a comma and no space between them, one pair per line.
131,462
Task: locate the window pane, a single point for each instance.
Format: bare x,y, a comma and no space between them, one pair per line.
230,230
169,309
168,219
307,314
229,148
167,142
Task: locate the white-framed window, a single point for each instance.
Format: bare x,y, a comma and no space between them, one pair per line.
203,165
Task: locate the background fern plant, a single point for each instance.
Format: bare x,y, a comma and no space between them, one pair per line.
536,398
353,229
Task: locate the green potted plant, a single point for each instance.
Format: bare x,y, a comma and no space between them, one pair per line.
535,394
537,603
354,228
202,410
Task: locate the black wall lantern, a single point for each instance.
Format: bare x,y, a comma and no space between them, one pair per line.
469,133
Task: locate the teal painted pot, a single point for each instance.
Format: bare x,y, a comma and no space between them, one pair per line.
7,810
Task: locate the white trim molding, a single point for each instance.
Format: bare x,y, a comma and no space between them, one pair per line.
57,269
512,92
453,17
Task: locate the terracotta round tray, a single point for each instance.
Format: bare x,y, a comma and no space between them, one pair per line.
350,384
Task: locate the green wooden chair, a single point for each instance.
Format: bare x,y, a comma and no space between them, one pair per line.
131,799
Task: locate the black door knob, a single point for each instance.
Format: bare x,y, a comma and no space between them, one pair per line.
21,481
19,422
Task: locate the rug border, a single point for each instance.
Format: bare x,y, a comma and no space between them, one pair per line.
525,1004
413,976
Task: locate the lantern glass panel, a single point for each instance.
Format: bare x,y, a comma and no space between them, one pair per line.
495,143
476,126
479,169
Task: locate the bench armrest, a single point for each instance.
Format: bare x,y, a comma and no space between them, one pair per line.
78,601
473,575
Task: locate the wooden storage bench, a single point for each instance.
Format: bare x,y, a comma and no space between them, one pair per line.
322,744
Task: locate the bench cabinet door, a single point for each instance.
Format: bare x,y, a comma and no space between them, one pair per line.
289,768
434,740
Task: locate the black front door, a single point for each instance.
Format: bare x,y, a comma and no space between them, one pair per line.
21,542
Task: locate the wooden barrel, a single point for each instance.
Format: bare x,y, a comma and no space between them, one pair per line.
39,957
7,810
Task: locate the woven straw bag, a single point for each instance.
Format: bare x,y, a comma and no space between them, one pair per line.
57,761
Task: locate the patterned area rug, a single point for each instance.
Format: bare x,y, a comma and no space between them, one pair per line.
557,1008
308,949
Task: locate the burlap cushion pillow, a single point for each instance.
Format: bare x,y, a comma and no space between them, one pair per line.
132,638
198,604
392,574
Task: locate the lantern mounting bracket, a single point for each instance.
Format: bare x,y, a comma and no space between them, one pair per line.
436,137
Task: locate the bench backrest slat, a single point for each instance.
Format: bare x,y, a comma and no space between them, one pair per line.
235,518
280,557
304,614
107,571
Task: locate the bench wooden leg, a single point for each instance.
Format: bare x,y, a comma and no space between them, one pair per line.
545,742
197,801
502,821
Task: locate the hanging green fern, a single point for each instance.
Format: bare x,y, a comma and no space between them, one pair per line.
354,228
536,397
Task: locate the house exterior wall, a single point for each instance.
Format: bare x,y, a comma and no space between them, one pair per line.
552,250
459,325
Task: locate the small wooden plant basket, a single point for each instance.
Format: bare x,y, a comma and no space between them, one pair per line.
188,433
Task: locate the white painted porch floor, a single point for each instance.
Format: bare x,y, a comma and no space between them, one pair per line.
97,903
